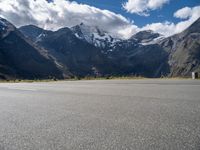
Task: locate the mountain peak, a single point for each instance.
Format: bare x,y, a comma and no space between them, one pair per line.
195,27
145,34
147,31
4,22
34,32
81,24
92,34
146,37
5,27
32,27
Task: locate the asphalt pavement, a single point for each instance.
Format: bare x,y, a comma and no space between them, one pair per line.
149,114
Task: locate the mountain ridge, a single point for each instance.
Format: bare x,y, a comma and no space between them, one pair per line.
85,51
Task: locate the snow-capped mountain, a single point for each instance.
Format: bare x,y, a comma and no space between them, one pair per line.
94,35
89,51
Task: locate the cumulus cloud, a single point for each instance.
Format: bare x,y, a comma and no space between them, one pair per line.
61,13
142,7
183,13
169,28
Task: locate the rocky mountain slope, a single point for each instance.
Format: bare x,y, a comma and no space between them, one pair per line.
80,57
184,51
19,58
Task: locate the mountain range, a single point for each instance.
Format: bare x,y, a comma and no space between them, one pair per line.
30,52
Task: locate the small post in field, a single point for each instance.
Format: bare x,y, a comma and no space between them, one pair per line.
194,75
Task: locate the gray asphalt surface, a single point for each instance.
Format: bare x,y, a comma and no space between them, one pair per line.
100,115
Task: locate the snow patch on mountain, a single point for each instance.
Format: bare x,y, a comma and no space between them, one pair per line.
40,37
94,35
152,41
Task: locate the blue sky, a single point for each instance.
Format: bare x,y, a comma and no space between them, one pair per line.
159,15
166,17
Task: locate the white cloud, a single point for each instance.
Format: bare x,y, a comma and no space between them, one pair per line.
183,13
164,28
142,7
170,28
62,13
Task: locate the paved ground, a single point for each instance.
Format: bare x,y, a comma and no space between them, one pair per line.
100,115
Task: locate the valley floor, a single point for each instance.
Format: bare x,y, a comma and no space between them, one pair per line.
101,114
